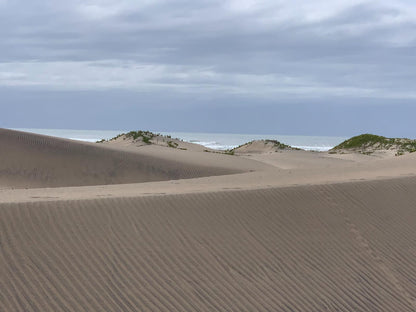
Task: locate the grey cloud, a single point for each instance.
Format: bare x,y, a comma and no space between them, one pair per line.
276,51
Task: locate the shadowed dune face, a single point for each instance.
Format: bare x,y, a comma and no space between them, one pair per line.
341,247
31,160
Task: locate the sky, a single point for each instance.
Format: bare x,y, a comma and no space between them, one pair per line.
324,67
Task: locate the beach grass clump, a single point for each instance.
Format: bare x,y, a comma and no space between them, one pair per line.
408,145
146,136
278,145
172,144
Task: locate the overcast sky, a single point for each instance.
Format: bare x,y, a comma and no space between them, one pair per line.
290,67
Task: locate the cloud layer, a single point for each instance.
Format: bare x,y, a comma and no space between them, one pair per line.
269,49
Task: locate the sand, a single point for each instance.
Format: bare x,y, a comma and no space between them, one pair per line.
291,231
31,160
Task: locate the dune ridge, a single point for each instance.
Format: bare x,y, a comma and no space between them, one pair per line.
337,247
30,160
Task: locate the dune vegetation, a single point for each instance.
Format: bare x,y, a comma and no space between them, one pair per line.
262,146
145,136
369,143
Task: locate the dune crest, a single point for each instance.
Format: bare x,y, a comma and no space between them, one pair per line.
145,138
375,145
261,147
31,160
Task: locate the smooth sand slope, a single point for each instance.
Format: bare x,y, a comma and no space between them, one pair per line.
232,236
32,160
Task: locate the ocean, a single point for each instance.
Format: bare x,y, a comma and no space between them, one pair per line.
220,141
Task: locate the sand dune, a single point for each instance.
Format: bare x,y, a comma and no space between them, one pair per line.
341,247
262,147
32,160
196,231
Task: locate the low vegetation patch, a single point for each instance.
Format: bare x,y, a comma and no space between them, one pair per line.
278,144
273,143
146,136
362,140
172,144
226,152
368,143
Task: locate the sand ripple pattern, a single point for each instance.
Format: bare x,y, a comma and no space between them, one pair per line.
344,247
